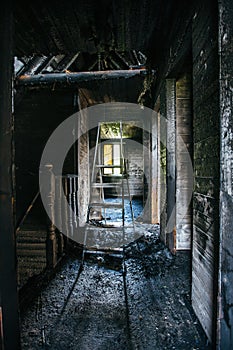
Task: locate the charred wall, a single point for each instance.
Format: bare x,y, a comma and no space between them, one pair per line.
36,117
175,59
206,164
226,199
193,43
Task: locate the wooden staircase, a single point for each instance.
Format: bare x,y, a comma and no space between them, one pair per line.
31,253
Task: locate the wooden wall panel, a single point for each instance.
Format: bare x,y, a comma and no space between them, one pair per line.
206,165
225,334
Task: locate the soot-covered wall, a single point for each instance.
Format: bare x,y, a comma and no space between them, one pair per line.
194,43
226,197
36,117
206,164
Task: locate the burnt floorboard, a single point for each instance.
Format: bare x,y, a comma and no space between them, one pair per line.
141,302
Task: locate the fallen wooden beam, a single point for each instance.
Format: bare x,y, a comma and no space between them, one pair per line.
76,78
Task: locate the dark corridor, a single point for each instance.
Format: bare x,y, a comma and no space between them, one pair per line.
167,67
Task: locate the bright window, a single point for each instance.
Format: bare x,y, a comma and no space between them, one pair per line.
111,154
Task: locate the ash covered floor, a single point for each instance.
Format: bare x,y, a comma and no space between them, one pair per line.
146,307
116,214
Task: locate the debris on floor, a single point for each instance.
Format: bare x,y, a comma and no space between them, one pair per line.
137,301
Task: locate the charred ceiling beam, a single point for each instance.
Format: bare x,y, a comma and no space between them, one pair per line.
67,62
33,66
127,64
67,79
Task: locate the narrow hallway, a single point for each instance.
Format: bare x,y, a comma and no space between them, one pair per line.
147,307
106,106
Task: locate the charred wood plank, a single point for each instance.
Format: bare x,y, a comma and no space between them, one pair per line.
34,65
67,62
122,59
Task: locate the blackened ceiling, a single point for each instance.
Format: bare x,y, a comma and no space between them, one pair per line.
90,26
85,35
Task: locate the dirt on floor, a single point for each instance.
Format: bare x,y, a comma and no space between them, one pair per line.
139,300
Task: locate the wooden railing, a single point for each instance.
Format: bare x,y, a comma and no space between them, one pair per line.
63,212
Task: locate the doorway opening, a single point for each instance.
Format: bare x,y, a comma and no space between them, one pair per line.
121,153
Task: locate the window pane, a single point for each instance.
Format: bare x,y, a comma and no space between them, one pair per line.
108,150
116,158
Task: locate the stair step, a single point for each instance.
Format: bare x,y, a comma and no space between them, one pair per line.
30,233
30,253
36,266
32,227
33,263
30,237
29,260
30,246
106,205
32,240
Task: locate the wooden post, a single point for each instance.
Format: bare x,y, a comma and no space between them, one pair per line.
8,272
184,182
163,162
51,242
71,219
171,163
65,225
58,213
147,171
74,199
154,193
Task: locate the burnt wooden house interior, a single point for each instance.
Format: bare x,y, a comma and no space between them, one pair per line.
163,70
